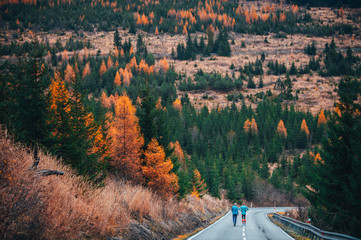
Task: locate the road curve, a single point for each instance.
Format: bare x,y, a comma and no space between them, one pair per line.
258,227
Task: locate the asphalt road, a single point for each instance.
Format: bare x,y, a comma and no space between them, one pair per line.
258,227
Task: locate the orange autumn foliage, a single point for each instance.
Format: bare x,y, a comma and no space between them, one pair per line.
177,104
281,129
283,17
69,74
157,170
125,139
178,152
294,9
127,75
321,118
250,126
199,186
102,69
304,127
164,66
247,126
341,12
156,32
185,32
254,127
59,96
86,70
117,79
109,62
64,56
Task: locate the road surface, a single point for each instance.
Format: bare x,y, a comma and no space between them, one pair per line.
258,227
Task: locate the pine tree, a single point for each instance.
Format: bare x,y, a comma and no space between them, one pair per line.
337,186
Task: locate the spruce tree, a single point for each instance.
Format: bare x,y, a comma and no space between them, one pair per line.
28,105
337,187
117,39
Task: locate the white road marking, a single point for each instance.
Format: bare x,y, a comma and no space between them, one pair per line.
208,227
279,228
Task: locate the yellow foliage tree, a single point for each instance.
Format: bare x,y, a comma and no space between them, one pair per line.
157,170
125,139
281,129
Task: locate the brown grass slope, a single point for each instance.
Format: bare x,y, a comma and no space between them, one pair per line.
64,207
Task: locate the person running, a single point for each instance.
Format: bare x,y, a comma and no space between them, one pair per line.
243,209
234,213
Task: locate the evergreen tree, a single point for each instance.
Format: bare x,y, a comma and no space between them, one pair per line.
337,186
27,103
142,50
117,39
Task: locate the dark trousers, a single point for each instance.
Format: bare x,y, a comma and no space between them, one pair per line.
243,216
235,218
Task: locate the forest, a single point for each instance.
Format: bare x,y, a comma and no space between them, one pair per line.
128,113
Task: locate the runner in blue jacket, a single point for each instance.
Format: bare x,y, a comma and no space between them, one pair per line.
234,213
243,209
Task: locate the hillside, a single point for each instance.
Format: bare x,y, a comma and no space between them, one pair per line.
175,106
65,207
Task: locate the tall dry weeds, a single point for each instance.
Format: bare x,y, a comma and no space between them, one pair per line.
65,207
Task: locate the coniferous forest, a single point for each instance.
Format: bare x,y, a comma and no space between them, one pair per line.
128,117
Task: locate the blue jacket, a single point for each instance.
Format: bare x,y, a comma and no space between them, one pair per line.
234,209
244,209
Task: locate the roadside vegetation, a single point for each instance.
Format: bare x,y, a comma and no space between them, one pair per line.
139,150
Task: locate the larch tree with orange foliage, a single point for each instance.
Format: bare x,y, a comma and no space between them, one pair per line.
247,126
281,129
75,136
103,68
304,135
86,70
321,118
157,170
117,79
126,140
163,64
199,186
282,17
177,104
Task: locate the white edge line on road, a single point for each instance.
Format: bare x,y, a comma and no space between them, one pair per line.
208,227
279,228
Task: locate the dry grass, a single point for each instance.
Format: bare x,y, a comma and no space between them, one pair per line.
65,207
